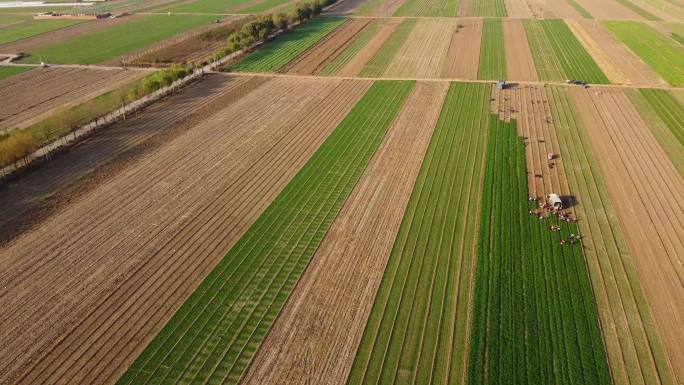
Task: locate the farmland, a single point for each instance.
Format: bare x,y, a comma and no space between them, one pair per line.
30,27
341,60
492,51
377,65
6,72
487,8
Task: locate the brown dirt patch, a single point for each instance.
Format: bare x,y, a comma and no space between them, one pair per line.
423,54
97,281
30,44
518,9
31,96
315,338
519,62
356,64
463,58
327,49
604,61
648,196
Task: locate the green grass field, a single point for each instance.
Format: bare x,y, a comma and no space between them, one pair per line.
492,51
534,317
377,65
546,62
203,6
417,330
664,55
637,9
276,54
104,45
265,6
428,8
214,335
30,27
487,8
6,71
575,60
345,56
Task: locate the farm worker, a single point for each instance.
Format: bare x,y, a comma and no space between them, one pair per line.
562,242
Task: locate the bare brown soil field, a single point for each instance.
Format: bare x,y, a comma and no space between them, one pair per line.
364,55
560,9
463,58
529,106
98,280
609,9
32,43
43,190
327,49
518,9
670,13
519,62
604,61
423,54
648,196
387,8
30,96
463,7
192,48
315,338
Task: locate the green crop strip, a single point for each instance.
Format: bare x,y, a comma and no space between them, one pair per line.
30,28
575,60
487,8
417,329
6,71
214,335
345,56
109,43
665,56
492,52
580,9
644,13
677,37
534,317
428,8
545,61
276,54
263,6
378,64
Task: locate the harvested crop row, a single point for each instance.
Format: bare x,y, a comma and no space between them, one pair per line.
633,347
98,280
487,8
534,316
275,55
492,51
639,177
344,57
519,61
602,58
545,60
214,335
422,55
327,49
463,58
377,65
418,329
663,55
576,62
316,336
518,9
386,28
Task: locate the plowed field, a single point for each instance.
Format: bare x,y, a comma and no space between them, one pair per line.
463,57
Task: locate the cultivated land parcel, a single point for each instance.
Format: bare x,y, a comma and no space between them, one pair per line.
355,201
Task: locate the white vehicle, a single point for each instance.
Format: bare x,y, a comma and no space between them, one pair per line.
555,201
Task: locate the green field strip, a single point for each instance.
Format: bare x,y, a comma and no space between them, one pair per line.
263,6
546,62
575,60
7,71
377,65
30,28
534,316
637,9
417,329
665,56
216,332
276,54
635,353
665,117
492,51
487,8
428,8
204,6
109,43
580,9
352,49
677,37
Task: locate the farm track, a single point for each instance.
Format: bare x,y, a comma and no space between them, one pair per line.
30,97
41,191
317,334
418,328
519,62
314,59
632,344
422,55
137,270
358,62
650,206
463,57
